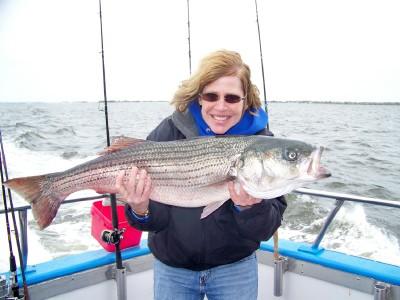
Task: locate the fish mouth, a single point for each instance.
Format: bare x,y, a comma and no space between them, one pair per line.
314,168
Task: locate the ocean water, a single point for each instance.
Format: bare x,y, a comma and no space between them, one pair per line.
361,150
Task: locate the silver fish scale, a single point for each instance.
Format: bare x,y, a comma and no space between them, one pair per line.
183,163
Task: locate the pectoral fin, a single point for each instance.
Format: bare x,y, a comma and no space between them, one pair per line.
210,208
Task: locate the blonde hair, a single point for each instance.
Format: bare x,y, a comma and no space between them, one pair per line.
215,65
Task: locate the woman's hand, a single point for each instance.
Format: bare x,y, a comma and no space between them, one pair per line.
241,197
136,190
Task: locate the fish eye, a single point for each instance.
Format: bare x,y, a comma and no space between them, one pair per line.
291,155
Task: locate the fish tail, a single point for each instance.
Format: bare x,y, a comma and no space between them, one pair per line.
38,192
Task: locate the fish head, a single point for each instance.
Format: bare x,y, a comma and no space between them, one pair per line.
272,167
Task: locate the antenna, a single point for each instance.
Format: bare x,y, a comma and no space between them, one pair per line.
188,22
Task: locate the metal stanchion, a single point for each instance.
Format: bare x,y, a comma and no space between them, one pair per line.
381,291
120,276
280,266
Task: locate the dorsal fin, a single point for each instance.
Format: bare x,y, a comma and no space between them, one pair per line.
121,142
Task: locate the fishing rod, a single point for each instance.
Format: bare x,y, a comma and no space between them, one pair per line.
190,52
104,76
275,235
115,235
13,265
262,63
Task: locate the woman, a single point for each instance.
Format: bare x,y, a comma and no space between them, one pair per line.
214,256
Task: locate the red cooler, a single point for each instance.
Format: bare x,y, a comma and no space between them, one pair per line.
102,220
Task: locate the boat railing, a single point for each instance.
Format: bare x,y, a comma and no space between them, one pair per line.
339,197
23,222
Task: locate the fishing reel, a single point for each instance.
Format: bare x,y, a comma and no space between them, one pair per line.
112,236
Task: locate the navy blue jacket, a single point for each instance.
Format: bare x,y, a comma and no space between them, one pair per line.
179,238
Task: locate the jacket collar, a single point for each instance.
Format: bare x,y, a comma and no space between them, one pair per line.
185,123
188,122
250,123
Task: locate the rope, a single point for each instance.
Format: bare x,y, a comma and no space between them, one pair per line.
276,246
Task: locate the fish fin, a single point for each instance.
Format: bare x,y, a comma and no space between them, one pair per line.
107,202
120,143
100,191
210,208
44,205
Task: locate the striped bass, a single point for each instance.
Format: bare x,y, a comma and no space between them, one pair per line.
188,173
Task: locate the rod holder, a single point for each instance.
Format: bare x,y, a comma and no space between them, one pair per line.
381,291
280,266
120,276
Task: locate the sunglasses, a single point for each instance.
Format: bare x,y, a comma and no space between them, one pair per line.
213,97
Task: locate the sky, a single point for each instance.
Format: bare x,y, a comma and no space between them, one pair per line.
313,50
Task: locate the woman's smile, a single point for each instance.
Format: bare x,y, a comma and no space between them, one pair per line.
221,115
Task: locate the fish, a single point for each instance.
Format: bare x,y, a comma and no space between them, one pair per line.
189,173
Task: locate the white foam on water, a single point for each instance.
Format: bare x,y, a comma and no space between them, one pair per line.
357,236
351,233
36,252
69,237
24,162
